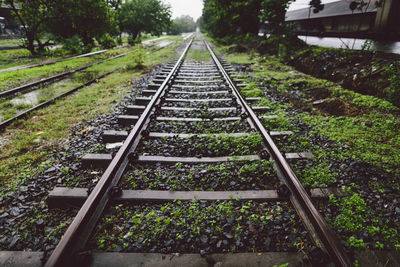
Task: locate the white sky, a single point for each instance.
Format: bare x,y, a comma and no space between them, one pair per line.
194,8
304,3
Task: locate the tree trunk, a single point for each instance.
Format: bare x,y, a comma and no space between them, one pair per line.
30,43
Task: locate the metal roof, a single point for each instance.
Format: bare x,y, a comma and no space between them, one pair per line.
338,8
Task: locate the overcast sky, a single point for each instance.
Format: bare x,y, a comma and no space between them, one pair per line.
194,8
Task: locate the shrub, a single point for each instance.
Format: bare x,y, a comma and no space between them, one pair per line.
74,45
107,41
393,73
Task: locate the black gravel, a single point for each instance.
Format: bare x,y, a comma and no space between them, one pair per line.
26,222
379,189
208,146
200,127
201,113
199,104
257,175
202,227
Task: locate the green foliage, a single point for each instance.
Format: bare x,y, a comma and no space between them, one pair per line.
107,41
393,93
182,24
32,16
230,18
136,59
372,137
352,211
63,19
144,16
74,45
273,12
355,217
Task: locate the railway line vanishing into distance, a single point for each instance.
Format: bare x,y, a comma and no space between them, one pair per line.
183,93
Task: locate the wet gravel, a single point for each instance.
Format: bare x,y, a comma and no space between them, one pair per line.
201,89
379,190
200,127
199,96
257,175
200,104
201,113
202,227
199,146
26,222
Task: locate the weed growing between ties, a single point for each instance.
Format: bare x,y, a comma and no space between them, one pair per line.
202,227
233,175
209,146
201,127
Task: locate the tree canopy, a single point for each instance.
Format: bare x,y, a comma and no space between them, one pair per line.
60,19
229,18
182,24
144,16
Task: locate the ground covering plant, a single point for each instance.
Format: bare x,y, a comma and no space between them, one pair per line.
200,226
11,79
352,128
212,145
232,175
27,142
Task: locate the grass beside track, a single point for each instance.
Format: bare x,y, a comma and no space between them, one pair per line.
11,79
365,129
26,143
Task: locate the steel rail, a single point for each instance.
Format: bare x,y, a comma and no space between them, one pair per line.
81,228
53,78
3,124
44,63
329,239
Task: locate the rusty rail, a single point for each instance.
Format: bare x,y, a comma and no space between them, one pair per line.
330,241
80,230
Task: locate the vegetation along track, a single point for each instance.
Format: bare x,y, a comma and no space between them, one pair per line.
217,181
46,81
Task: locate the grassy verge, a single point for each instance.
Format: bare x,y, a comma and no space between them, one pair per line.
27,142
12,79
355,129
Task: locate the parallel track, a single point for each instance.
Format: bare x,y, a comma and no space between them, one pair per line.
106,191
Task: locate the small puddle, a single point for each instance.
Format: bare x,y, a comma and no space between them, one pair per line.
27,99
22,102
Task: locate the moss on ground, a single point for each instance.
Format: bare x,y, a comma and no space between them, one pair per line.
364,127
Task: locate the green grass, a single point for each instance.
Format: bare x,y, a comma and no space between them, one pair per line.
30,140
12,79
368,130
11,42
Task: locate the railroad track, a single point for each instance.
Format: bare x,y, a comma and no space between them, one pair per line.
192,124
58,77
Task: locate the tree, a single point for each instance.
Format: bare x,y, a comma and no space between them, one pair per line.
144,16
87,19
64,19
182,24
229,18
33,16
273,13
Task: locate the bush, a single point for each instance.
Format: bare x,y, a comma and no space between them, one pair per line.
393,73
131,40
107,41
74,45
137,60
